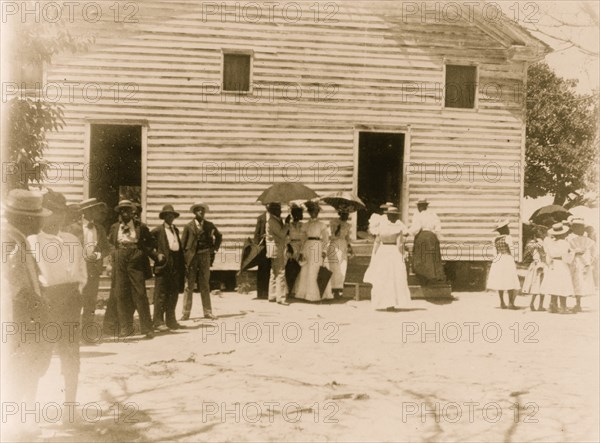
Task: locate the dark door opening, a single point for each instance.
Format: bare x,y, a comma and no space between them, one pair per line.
115,165
380,160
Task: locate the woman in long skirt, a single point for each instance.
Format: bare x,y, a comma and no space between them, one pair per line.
337,253
582,265
387,271
557,279
314,253
535,274
503,272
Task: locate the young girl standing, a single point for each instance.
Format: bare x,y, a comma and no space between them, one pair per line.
557,279
503,272
535,273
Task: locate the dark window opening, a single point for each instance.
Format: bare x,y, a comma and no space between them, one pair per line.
236,72
461,85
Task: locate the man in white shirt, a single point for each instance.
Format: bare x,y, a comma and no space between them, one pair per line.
62,274
92,236
170,276
427,259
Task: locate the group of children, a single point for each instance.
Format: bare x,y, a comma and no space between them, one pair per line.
562,261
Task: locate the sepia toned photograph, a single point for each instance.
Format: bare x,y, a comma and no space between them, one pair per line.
300,221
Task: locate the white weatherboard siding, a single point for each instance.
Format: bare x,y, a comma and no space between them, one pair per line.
314,86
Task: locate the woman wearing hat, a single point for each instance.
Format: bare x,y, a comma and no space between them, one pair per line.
387,271
427,258
339,248
314,253
583,262
557,279
503,272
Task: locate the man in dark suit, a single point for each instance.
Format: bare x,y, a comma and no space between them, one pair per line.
264,264
201,240
277,240
95,244
133,244
170,276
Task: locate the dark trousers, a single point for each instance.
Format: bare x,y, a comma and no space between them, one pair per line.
25,357
166,293
63,329
130,286
198,274
89,300
262,276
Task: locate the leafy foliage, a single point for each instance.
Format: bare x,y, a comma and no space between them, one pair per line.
562,143
30,118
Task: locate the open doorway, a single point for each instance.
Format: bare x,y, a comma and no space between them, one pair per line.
115,165
380,167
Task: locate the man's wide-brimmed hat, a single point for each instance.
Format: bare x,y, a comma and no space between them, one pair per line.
558,229
55,202
168,209
501,223
91,203
24,202
423,201
124,204
199,205
386,205
392,210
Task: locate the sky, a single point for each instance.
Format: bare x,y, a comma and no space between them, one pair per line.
568,62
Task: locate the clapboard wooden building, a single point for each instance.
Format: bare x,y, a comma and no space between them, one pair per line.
215,101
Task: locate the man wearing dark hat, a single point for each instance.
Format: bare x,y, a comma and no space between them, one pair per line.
201,240
92,236
170,276
263,272
24,357
62,267
133,244
427,258
276,241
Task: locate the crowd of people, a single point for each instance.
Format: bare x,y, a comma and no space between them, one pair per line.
561,265
54,255
293,246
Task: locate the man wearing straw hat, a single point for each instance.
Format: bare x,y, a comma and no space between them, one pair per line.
170,276
92,236
133,244
201,240
23,356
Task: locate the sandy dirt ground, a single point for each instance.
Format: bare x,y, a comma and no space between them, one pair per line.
457,372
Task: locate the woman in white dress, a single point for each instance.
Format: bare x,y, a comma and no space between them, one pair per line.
583,262
557,279
503,272
387,271
314,252
337,253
